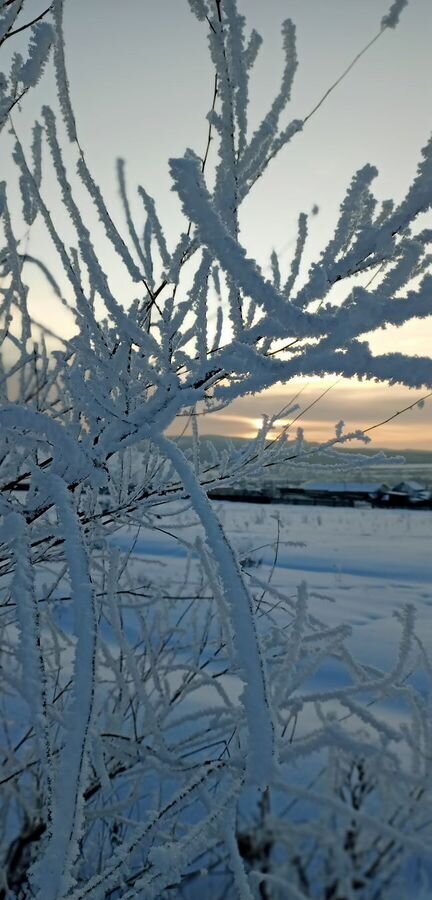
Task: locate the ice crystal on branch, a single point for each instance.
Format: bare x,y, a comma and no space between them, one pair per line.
155,729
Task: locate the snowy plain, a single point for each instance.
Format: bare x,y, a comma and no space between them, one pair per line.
360,564
361,567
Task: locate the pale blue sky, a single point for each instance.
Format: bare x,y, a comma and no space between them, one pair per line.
142,84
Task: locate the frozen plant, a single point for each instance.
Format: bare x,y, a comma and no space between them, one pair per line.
23,73
140,726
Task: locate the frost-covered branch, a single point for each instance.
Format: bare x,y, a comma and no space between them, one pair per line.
141,714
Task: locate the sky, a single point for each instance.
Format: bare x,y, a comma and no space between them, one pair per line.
141,85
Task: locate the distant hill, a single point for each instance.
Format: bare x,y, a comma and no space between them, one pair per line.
412,456
417,464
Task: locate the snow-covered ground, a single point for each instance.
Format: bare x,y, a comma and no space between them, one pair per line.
360,565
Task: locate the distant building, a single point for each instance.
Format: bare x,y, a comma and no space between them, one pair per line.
350,490
239,494
409,493
329,493
412,489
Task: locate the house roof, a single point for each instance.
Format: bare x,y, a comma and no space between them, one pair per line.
344,487
409,486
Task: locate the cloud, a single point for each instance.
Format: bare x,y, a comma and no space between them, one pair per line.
359,405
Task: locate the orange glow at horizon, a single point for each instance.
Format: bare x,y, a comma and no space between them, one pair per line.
362,406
